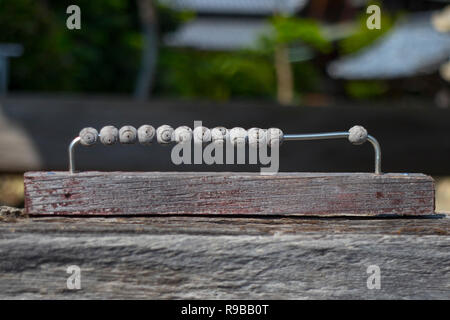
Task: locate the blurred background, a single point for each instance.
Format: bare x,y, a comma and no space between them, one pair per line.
300,65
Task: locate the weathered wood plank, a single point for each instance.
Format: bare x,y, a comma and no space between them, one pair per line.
230,258
163,193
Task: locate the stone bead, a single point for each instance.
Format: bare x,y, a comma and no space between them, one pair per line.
274,135
219,134
182,134
109,135
146,133
88,136
238,136
201,135
127,135
164,134
357,135
256,137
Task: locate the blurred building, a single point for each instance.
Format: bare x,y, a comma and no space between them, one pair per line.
412,48
416,47
227,24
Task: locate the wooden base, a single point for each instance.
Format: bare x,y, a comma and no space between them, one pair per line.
189,193
204,257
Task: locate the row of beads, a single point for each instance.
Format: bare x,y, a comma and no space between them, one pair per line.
165,134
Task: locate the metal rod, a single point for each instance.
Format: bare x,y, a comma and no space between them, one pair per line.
338,135
377,148
315,136
72,146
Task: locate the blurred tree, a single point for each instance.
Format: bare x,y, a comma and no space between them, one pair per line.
100,57
153,29
147,15
103,56
290,31
251,72
115,51
44,63
214,75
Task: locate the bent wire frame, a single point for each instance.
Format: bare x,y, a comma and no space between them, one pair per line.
286,137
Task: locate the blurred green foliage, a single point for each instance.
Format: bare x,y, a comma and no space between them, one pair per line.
104,56
363,36
169,20
214,75
245,73
366,89
43,64
290,30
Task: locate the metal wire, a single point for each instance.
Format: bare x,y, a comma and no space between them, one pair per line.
72,146
315,136
286,137
338,135
377,148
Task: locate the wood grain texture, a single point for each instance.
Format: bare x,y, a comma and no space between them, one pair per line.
225,258
172,193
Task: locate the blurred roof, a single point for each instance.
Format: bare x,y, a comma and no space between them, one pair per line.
218,33
251,7
412,47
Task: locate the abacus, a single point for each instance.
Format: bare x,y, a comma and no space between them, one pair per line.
224,193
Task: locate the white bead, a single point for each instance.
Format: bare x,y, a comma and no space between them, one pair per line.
127,135
182,134
201,135
256,137
88,136
357,135
274,135
109,135
238,136
146,134
220,134
164,134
